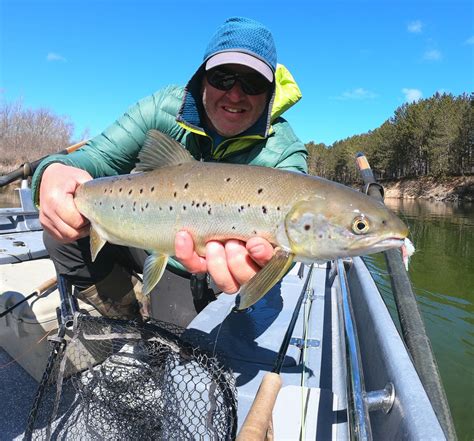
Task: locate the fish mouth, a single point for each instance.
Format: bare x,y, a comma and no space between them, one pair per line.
365,245
390,242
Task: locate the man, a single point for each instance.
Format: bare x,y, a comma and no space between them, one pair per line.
229,111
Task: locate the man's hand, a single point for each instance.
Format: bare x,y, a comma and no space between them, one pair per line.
58,213
230,264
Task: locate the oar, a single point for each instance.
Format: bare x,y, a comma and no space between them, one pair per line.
258,423
411,322
45,286
28,168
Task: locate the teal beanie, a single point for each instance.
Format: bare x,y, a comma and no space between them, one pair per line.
240,34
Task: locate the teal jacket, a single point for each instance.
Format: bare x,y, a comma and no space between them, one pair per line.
115,151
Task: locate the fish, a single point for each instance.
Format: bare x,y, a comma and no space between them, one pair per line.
306,218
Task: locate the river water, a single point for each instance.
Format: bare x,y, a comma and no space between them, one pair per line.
442,273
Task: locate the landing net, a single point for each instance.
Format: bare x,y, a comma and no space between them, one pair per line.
118,379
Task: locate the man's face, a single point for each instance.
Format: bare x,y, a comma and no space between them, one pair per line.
233,111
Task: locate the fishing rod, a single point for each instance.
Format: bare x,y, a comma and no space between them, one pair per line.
28,168
411,322
48,285
257,425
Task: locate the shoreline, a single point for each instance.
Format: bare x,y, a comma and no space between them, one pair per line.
449,189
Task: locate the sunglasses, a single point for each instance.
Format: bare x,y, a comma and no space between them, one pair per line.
251,83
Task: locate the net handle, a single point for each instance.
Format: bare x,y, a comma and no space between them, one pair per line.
258,421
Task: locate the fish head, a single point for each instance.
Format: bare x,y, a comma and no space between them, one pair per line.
319,228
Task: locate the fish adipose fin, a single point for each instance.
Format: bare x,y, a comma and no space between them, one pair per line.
96,241
153,269
159,150
265,279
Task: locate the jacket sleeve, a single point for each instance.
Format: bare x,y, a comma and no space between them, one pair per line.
115,150
284,149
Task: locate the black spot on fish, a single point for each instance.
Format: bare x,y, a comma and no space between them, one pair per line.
141,190
141,208
184,207
100,203
134,203
227,180
121,205
147,205
233,228
192,203
320,235
197,205
248,205
204,204
186,186
130,191
209,211
264,209
242,207
254,232
110,191
278,208
260,190
307,227
175,194
152,189
120,190
171,208
113,207
105,190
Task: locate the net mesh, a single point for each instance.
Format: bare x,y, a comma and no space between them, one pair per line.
126,380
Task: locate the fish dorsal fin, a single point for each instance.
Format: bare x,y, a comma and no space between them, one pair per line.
159,150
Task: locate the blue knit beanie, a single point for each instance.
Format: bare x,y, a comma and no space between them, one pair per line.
245,41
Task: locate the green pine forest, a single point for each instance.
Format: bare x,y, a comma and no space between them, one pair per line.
430,137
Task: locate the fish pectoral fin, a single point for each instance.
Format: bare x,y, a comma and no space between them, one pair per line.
153,269
96,242
265,279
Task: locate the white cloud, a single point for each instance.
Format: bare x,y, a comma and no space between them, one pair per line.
470,40
412,94
432,55
357,94
415,27
52,56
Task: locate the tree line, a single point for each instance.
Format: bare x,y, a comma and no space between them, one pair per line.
433,136
29,134
430,137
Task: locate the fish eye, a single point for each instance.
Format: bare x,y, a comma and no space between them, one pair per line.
360,225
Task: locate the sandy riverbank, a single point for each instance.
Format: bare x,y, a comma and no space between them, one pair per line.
447,189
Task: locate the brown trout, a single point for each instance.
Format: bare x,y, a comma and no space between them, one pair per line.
306,218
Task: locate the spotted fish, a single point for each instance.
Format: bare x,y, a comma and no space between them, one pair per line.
306,218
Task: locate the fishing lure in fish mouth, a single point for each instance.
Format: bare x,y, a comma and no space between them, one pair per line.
306,218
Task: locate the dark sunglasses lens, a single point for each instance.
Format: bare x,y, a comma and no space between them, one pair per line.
221,80
252,84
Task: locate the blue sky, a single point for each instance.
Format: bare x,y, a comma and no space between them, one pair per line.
355,61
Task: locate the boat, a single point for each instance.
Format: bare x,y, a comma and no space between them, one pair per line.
323,331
